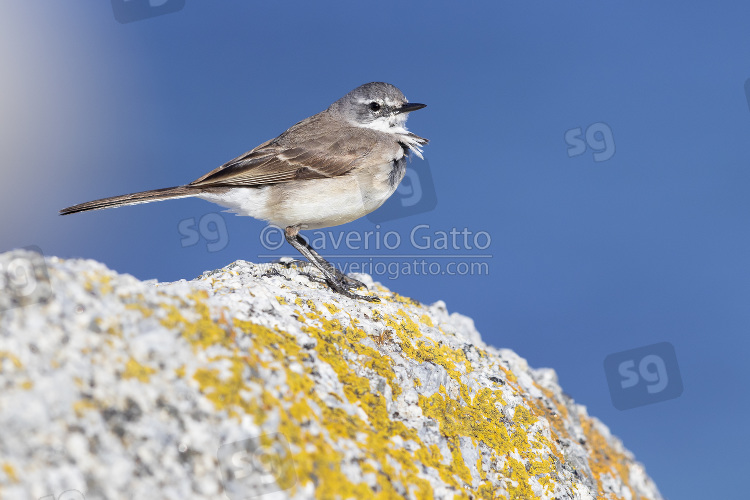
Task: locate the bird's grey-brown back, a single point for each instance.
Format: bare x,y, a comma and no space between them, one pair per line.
339,164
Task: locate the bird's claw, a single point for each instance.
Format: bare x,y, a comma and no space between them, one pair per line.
343,286
355,296
350,283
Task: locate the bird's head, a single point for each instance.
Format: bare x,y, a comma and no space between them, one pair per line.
377,105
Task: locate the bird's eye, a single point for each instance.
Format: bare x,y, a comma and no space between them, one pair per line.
374,106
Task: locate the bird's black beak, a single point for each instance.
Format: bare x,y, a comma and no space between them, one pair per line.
409,107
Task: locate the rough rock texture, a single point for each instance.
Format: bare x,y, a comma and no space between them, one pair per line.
258,379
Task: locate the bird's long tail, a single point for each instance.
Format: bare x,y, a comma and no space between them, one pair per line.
134,199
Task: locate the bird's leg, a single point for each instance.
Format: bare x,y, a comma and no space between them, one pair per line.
318,261
335,278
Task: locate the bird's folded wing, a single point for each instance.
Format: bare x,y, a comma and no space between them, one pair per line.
275,161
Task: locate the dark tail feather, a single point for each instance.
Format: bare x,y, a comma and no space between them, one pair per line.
133,199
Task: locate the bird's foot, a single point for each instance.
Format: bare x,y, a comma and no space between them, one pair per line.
341,284
348,282
289,262
343,287
343,280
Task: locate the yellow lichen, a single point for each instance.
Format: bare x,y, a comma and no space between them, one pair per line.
83,405
231,381
604,459
100,281
5,355
10,471
331,308
133,369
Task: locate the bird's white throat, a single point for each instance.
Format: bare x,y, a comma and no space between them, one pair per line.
396,125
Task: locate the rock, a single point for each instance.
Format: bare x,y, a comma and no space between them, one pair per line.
257,379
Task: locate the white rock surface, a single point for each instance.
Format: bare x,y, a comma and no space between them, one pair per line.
258,379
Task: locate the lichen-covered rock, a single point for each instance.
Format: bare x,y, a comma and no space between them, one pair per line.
258,379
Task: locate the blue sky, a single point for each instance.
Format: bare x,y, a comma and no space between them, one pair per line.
635,235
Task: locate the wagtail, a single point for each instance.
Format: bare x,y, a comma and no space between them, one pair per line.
329,169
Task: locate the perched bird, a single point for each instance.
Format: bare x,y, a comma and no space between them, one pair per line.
329,169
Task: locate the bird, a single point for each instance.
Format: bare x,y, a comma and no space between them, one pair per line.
328,169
